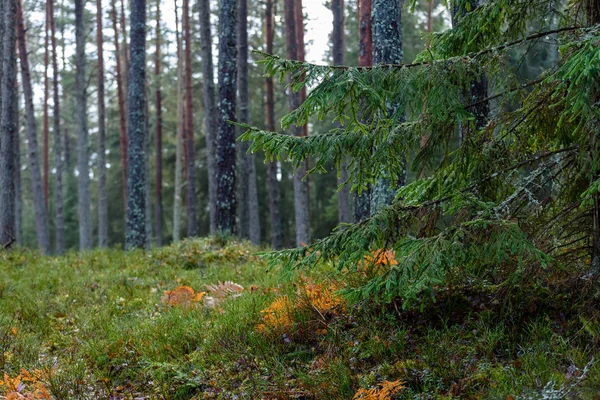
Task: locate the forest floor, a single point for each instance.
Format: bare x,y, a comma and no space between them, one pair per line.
202,319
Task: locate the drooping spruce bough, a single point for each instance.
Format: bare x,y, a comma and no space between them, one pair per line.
515,196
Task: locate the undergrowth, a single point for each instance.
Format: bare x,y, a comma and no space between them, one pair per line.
203,319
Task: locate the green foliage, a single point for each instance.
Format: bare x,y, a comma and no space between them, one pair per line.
512,197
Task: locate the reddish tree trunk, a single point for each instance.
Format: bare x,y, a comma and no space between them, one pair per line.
189,124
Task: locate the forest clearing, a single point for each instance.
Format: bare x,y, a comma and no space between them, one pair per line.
300,199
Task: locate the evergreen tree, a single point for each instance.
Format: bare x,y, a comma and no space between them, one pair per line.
136,106
226,153
39,202
102,201
520,195
9,133
83,191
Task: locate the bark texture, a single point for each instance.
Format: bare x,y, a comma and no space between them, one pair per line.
39,202
226,153
344,204
248,197
46,118
136,98
102,201
274,194
362,202
84,202
387,49
179,139
159,173
192,221
121,101
9,133
210,114
301,200
57,142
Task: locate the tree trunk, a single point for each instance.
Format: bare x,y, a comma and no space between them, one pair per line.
148,197
121,100
102,202
124,47
301,202
226,159
18,190
46,120
179,140
362,201
243,176
274,195
192,222
248,197
8,131
210,114
84,202
387,49
58,148
159,207
39,204
136,98
344,205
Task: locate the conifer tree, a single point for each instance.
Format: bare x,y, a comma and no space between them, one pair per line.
39,202
159,168
121,101
210,110
483,210
83,201
273,184
102,201
179,133
226,146
58,140
136,98
192,222
9,133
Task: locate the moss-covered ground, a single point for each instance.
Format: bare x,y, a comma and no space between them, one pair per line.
109,324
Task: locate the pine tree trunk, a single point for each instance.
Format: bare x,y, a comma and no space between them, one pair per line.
243,176
121,100
18,190
344,205
39,203
244,159
136,98
192,222
124,47
9,133
58,148
148,197
387,49
226,153
84,202
46,120
274,194
179,139
159,206
362,201
301,202
210,114
248,197
102,202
